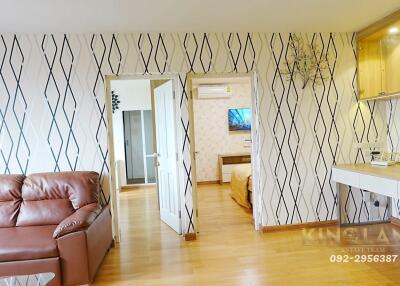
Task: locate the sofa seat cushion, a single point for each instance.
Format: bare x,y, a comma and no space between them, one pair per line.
27,243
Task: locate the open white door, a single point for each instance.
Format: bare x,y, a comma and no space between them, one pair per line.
167,158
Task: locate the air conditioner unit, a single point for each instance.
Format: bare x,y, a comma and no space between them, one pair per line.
210,91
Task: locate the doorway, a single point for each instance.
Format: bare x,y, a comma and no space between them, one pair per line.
223,112
143,140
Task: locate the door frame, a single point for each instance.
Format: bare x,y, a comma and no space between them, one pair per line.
114,194
255,137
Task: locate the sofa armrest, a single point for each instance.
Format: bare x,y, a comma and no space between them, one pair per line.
79,220
81,252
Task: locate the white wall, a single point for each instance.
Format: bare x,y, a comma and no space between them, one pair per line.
134,95
212,136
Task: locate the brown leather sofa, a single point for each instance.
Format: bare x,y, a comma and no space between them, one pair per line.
53,222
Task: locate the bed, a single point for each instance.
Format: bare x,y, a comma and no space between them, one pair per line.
241,185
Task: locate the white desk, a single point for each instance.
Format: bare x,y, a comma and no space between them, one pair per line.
377,179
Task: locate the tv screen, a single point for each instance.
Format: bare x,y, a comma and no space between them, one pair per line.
239,119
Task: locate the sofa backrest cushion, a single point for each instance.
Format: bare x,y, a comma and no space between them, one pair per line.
49,198
10,199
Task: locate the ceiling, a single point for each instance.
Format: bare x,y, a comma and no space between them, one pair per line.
78,16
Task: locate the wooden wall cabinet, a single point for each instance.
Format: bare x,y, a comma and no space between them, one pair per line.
378,58
391,63
370,68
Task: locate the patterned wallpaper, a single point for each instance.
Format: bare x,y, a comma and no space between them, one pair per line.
52,113
211,130
393,138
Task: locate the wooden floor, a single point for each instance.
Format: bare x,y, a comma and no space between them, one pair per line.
229,252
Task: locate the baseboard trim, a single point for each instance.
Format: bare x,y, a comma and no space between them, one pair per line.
190,236
285,227
208,183
395,221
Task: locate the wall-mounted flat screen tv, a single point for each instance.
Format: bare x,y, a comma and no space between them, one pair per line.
239,119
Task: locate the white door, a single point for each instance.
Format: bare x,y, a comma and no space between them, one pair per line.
167,159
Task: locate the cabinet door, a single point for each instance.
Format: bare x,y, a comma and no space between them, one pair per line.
369,67
391,60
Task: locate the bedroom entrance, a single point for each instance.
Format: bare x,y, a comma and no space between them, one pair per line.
222,136
144,143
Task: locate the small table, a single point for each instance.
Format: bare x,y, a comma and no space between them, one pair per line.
40,279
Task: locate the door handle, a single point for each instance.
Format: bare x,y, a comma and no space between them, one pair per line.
154,155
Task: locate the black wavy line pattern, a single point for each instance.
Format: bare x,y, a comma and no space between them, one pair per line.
206,49
392,149
186,146
54,130
359,138
231,47
69,96
249,50
145,59
279,121
99,83
199,54
294,183
191,58
114,48
189,211
6,156
332,102
389,122
286,136
368,131
319,93
19,101
161,49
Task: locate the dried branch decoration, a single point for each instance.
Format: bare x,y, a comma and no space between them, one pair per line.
305,60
